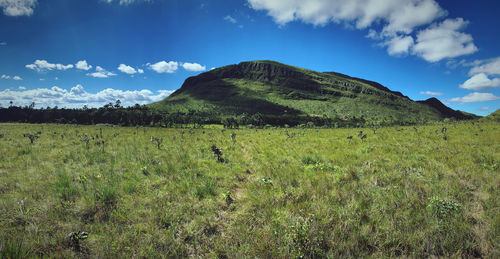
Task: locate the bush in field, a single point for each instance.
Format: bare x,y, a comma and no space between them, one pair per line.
157,140
75,238
32,137
218,152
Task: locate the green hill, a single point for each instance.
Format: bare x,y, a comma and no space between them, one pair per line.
274,89
494,116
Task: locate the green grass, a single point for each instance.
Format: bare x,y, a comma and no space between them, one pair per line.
400,192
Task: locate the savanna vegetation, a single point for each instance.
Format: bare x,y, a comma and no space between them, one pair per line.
98,191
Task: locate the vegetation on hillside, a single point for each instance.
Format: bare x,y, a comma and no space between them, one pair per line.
96,191
274,89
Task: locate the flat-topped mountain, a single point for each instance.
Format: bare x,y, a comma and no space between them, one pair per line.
274,89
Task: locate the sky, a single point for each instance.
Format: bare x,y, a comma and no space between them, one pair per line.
70,53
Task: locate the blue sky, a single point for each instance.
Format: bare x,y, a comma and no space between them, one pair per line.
91,52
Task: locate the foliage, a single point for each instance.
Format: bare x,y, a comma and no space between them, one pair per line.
280,193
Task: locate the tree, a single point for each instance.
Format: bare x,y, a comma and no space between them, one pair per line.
118,103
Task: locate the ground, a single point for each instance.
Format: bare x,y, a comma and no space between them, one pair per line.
154,192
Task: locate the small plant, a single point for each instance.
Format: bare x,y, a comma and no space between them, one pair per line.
144,170
32,137
218,152
1,136
443,131
233,137
158,141
443,209
311,160
100,143
290,136
267,181
75,238
363,137
227,197
349,138
84,138
83,180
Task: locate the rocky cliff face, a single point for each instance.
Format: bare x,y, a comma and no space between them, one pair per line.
270,87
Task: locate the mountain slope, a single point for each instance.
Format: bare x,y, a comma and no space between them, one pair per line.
275,89
494,116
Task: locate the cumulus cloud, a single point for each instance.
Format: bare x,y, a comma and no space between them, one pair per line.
101,73
44,65
3,43
444,40
17,78
431,93
21,88
398,19
140,71
18,7
399,45
488,67
164,67
230,19
76,97
480,82
195,67
82,64
475,97
127,69
396,15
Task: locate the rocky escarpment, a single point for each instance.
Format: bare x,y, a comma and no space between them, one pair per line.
293,78
272,88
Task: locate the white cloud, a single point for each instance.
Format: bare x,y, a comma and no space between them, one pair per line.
398,19
230,19
164,67
485,108
444,40
127,69
3,43
475,97
76,97
17,78
431,93
399,45
140,71
43,65
480,82
82,64
101,73
126,2
18,7
396,15
488,67
195,67
21,88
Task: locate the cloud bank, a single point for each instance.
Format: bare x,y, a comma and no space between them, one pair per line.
44,65
398,18
77,97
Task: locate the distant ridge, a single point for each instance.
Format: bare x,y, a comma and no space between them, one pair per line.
274,89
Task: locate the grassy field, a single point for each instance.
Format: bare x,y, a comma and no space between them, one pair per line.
153,192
